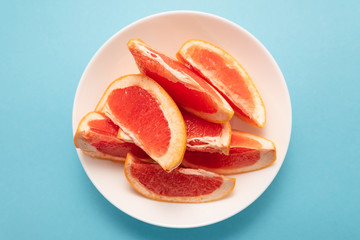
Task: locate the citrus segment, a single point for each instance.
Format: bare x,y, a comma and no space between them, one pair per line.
206,136
180,185
96,136
188,89
224,73
148,115
248,152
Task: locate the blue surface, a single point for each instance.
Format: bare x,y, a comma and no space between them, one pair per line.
45,193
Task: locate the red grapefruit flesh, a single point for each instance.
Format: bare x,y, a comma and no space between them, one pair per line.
180,185
224,73
188,89
248,152
96,136
148,115
206,136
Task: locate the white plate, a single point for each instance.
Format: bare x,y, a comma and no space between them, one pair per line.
167,32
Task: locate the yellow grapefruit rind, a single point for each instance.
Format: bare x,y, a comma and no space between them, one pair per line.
260,118
224,110
267,157
81,141
225,189
174,155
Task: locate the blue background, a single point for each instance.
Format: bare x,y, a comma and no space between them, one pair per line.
45,46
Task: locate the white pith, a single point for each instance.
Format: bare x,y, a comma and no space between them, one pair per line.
123,136
226,187
213,144
259,113
172,158
221,115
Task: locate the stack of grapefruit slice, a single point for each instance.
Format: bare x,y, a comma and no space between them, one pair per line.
202,136
189,90
177,113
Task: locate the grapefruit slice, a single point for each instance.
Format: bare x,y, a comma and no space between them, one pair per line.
188,89
224,73
96,136
146,113
180,185
206,136
248,152
202,135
